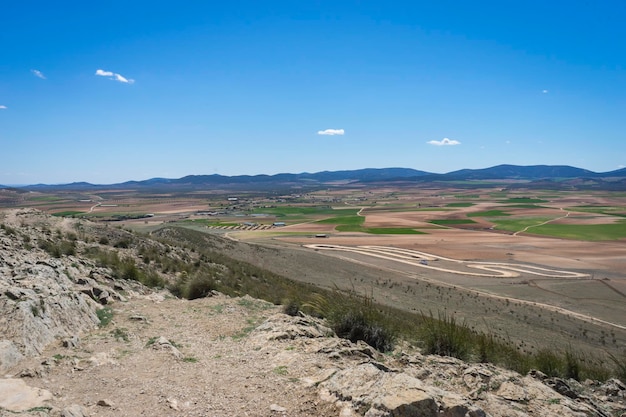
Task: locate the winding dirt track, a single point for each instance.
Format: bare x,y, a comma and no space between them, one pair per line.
541,224
422,259
499,270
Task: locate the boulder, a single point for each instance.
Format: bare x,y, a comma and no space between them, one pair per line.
9,355
16,396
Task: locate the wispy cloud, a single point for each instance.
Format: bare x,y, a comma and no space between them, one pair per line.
114,76
104,73
545,91
3,107
38,74
331,132
444,142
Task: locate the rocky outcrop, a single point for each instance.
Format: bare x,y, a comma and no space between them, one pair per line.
363,382
42,298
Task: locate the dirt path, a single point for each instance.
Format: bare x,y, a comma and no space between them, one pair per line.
213,366
91,209
541,224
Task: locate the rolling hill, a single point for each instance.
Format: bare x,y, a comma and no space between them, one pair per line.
532,176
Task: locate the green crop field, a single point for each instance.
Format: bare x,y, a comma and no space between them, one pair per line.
589,232
459,204
445,222
68,213
298,211
354,223
347,220
467,196
525,206
608,210
515,225
523,200
489,213
304,214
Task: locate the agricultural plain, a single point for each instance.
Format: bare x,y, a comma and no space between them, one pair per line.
539,268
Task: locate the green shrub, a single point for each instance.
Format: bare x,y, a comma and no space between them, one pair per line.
443,336
51,248
105,315
67,247
354,317
130,271
549,362
292,308
124,243
198,287
153,280
354,325
7,229
572,365
620,365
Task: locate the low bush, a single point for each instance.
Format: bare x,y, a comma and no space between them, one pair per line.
354,317
443,336
105,315
354,325
199,286
291,308
549,362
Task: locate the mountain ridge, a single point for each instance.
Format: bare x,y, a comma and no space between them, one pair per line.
368,175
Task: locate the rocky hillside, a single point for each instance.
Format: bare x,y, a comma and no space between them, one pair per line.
80,338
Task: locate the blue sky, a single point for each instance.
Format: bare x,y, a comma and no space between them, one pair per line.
113,91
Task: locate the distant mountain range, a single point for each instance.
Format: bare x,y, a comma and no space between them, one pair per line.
536,176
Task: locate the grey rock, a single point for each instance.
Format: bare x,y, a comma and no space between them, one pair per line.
74,410
277,408
561,387
163,343
16,396
395,394
105,403
71,342
9,355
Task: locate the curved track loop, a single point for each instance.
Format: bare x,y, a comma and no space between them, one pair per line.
422,259
412,257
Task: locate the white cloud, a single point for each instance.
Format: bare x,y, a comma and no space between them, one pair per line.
331,132
3,107
122,79
38,74
444,142
104,73
114,76
544,91
621,166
